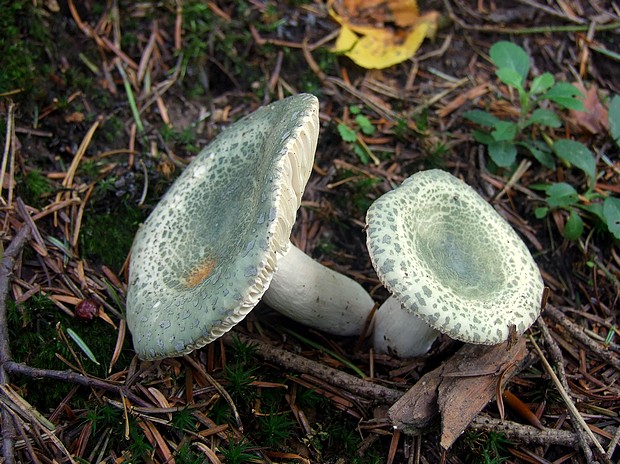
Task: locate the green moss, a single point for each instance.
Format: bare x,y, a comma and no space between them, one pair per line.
21,48
106,237
34,340
33,187
484,448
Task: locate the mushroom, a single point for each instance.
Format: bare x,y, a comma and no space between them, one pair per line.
210,248
452,264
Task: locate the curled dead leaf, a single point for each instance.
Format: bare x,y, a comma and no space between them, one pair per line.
593,119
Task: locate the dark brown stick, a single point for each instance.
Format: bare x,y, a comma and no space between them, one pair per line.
6,270
576,331
355,385
525,433
13,367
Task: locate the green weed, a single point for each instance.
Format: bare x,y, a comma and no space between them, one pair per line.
33,187
104,417
503,137
532,132
242,352
237,452
275,428
185,455
353,135
239,378
183,420
139,449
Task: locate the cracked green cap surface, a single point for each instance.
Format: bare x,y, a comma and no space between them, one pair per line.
451,259
206,254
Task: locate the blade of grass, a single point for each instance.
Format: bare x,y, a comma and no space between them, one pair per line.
130,98
83,346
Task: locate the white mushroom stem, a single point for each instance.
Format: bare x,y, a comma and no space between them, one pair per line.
400,332
317,296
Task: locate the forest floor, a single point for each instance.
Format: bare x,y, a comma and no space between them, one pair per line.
102,105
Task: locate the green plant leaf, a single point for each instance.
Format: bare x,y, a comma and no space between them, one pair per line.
83,346
483,137
614,119
510,77
540,151
361,153
542,83
611,211
541,212
565,95
506,55
578,155
354,109
482,118
595,209
364,124
544,117
503,153
346,133
505,131
574,226
561,195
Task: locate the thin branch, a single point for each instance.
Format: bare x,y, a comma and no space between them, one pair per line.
335,377
578,333
585,434
525,434
13,367
6,270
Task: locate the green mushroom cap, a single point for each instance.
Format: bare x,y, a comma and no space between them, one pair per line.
206,254
451,259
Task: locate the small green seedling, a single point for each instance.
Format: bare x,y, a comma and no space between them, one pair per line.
532,131
353,135
536,100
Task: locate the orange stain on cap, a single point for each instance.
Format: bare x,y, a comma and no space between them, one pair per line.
200,273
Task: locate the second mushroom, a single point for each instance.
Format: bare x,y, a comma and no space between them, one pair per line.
452,264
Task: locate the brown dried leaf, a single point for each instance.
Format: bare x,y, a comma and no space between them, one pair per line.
462,398
593,119
458,389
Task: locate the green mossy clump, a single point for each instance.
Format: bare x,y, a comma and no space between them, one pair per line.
33,187
106,237
34,339
22,49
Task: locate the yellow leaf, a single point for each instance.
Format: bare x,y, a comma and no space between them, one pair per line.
378,51
345,41
365,38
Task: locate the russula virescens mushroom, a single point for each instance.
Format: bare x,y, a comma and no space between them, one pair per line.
451,263
210,249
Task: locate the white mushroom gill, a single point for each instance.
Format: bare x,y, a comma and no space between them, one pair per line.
452,260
